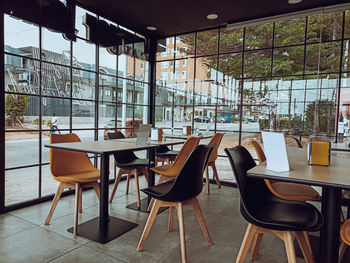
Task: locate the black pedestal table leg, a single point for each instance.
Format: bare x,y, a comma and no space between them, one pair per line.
331,204
104,217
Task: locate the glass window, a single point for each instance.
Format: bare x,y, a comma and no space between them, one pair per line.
290,32
21,37
231,40
84,55
259,36
207,42
55,48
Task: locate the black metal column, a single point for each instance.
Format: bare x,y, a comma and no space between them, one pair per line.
2,115
152,49
331,204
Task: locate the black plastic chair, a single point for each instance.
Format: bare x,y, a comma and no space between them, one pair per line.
183,190
298,142
267,213
128,163
164,154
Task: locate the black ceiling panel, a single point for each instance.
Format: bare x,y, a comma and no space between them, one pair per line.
180,16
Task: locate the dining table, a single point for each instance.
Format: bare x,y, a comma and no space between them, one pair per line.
333,179
105,227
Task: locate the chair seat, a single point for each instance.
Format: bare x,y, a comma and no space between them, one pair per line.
287,215
165,170
158,190
134,164
82,177
295,191
167,154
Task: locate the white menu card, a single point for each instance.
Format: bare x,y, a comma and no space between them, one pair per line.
142,136
275,151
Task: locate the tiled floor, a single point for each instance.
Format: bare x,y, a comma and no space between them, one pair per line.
25,238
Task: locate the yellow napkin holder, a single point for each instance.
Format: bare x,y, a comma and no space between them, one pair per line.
319,152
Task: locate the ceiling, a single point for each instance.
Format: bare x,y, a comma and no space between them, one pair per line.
181,16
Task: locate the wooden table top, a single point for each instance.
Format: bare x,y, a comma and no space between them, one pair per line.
109,146
336,175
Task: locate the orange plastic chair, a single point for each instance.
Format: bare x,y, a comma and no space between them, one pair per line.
170,171
73,170
345,238
284,190
217,137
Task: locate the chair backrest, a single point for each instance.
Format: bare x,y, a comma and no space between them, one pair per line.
298,142
115,135
184,152
217,137
258,150
64,162
189,182
124,156
253,191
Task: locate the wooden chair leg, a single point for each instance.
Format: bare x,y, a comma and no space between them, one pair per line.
170,222
180,217
97,189
198,211
207,179
116,183
127,184
137,187
216,176
255,247
247,240
80,200
145,172
342,250
288,243
149,223
150,205
307,239
307,253
54,203
77,190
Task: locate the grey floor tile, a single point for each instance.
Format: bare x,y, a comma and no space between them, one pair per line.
34,245
10,225
85,254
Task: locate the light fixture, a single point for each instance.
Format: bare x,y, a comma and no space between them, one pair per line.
292,2
212,16
152,28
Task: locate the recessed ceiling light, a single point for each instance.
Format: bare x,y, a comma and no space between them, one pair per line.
292,2
152,28
212,16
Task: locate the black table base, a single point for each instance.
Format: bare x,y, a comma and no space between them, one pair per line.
144,206
115,227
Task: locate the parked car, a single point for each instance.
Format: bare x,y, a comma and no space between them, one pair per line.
221,119
202,119
132,128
